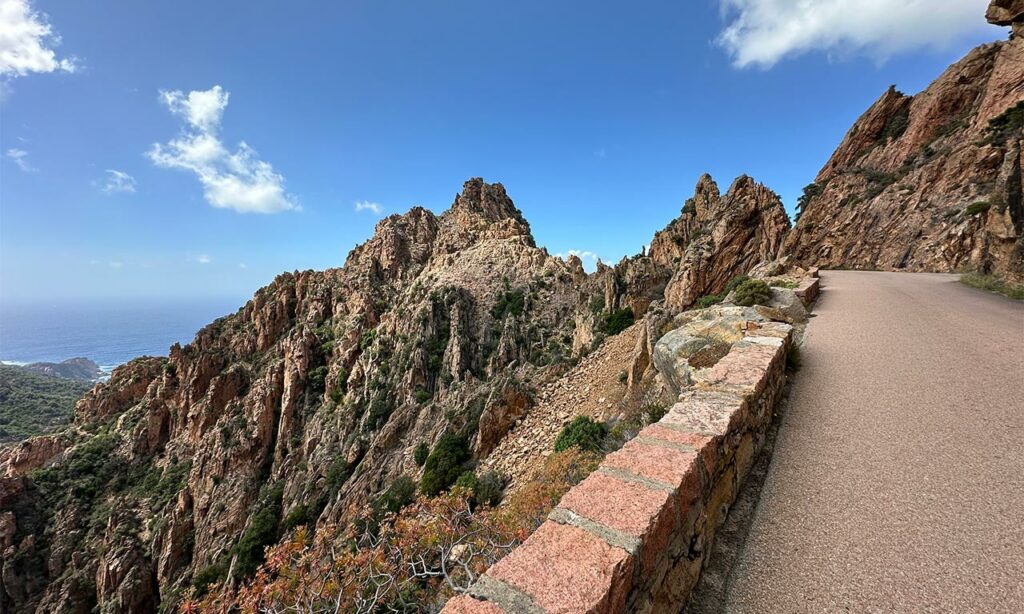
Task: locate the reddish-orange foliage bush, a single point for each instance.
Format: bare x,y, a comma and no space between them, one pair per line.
419,557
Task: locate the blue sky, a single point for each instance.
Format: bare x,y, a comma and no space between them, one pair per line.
597,117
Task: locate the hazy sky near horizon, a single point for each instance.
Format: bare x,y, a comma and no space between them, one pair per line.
196,149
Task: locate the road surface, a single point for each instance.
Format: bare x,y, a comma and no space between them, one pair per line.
897,480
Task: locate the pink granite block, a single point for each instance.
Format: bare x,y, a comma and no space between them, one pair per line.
566,570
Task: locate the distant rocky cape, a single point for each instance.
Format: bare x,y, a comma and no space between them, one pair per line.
73,368
312,399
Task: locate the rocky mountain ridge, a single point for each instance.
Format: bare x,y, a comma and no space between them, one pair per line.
930,182
311,400
317,396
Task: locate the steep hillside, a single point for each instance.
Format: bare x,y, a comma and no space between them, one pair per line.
323,393
32,403
930,182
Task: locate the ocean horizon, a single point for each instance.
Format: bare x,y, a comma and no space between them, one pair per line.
109,333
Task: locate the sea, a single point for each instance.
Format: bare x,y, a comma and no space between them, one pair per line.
108,332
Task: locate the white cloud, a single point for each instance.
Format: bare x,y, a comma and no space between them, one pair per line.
200,258
365,205
242,265
116,264
236,180
589,258
18,156
117,181
26,41
763,32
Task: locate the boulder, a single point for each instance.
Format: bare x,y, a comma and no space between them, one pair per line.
786,302
1006,13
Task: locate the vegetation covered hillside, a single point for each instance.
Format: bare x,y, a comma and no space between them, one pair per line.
33,404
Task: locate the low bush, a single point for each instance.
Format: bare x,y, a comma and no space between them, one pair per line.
733,283
261,532
210,575
811,191
618,321
509,302
490,488
380,411
1010,122
711,299
894,127
978,207
420,453
316,379
401,493
583,433
487,489
752,292
444,464
993,284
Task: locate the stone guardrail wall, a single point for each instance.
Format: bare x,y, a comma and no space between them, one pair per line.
634,535
808,289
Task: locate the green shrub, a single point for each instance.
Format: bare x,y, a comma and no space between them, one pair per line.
261,532
422,396
508,302
380,411
444,464
487,489
811,191
401,493
490,488
894,127
583,433
434,348
337,474
978,207
596,303
618,321
993,284
733,283
1006,124
467,480
366,340
752,292
655,412
295,518
623,376
212,574
316,379
711,299
420,453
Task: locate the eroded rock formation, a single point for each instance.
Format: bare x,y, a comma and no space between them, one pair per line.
930,182
309,401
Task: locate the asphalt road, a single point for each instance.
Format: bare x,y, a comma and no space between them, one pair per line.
897,481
